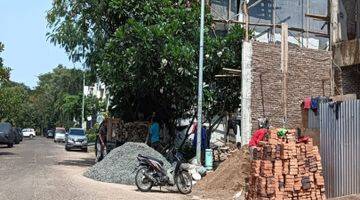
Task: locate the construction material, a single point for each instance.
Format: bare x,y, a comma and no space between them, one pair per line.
222,153
131,132
227,179
284,169
120,164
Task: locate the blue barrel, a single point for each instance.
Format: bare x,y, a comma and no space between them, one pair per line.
209,159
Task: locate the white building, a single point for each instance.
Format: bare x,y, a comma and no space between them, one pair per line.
98,90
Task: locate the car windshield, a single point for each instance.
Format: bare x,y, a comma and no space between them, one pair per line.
28,130
76,132
4,126
62,131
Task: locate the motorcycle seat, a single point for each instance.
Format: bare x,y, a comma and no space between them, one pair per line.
152,158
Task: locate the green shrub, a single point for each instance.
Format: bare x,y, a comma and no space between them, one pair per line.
91,134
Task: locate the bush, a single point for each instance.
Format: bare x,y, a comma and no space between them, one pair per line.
91,134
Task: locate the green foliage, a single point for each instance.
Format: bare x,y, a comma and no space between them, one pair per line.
4,71
91,133
147,53
14,104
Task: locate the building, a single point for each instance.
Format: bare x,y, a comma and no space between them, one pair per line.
306,19
98,90
345,39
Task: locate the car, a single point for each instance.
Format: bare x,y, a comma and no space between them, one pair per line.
29,132
59,134
18,135
7,134
76,138
50,134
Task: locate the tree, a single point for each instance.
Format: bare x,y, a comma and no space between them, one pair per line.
4,71
14,103
147,53
56,98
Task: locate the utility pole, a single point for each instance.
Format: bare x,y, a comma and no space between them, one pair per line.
273,33
200,86
83,104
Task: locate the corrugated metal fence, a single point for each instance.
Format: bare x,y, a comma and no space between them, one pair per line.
340,147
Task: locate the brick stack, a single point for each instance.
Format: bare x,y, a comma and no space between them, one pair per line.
284,169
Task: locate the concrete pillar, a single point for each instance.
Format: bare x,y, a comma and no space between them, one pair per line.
246,81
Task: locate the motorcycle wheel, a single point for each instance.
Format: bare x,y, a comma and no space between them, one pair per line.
183,182
143,183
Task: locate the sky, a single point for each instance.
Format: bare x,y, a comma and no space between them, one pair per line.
23,29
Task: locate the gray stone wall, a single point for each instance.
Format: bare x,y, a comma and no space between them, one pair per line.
309,72
350,80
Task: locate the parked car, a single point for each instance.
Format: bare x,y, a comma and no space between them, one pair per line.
59,134
50,134
7,134
76,138
18,135
29,132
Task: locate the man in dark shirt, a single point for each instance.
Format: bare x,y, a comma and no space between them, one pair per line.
102,139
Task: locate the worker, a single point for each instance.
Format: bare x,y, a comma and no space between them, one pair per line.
258,135
154,131
102,139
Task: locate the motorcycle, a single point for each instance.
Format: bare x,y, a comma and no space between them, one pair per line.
151,172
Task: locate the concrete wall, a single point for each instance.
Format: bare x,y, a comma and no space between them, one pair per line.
307,70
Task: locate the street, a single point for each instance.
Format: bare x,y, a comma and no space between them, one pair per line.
42,170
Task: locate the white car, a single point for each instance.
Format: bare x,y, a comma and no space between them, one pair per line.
29,132
60,134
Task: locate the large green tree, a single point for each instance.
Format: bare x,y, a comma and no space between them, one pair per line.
56,98
147,53
4,71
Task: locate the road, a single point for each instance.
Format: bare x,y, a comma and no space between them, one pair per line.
39,169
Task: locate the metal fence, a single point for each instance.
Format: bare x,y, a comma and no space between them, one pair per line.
340,147
313,119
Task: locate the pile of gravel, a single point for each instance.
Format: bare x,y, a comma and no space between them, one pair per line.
120,164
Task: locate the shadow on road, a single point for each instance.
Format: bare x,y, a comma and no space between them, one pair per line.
163,190
6,154
83,162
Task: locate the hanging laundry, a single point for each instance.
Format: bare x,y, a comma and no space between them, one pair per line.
307,103
315,104
335,105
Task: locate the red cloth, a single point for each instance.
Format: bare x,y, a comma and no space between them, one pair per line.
307,103
257,137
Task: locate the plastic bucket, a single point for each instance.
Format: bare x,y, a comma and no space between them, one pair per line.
209,159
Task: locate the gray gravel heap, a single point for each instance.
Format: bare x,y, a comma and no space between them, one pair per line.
119,165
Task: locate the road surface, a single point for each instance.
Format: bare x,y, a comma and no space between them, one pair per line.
39,169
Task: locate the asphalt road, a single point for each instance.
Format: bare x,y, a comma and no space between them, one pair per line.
42,170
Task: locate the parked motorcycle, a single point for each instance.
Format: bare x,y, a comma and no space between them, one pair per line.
151,172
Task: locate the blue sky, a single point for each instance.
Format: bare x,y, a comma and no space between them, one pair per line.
23,31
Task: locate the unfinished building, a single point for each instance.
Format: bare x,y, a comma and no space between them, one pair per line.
345,40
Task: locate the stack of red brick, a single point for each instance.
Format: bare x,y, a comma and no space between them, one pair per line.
282,168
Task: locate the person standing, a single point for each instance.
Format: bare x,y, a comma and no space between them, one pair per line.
102,140
155,133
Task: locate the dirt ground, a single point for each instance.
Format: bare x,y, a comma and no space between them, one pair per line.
39,169
227,180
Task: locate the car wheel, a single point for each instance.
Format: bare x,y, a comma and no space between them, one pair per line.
10,145
85,150
67,148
